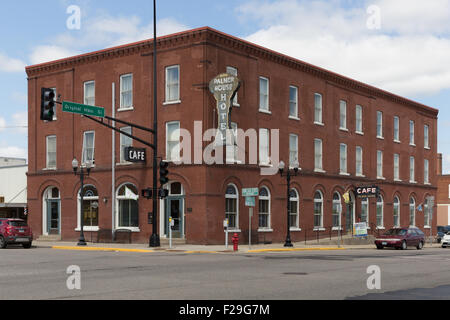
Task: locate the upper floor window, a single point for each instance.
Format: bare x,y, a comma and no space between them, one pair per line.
343,115
263,94
318,108
51,152
318,161
359,119
380,164
173,84
396,129
264,146
89,93
379,124
232,147
426,137
343,158
426,172
126,91
88,147
293,150
234,72
125,142
293,102
359,161
396,167
411,133
173,141
412,170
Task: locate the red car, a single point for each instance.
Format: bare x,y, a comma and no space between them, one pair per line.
401,238
15,231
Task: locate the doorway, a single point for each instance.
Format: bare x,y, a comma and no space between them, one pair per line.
174,208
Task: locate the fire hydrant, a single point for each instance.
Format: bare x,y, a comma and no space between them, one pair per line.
235,240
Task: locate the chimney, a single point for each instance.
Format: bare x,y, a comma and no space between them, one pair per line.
439,164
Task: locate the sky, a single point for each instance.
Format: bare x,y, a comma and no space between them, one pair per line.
402,46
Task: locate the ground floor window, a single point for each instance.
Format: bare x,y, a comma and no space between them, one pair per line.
412,212
128,211
231,206
396,212
365,211
380,209
337,210
294,209
90,206
318,210
264,208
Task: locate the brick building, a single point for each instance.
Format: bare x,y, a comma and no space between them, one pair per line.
343,133
443,195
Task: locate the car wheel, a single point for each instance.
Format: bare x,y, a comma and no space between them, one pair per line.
420,246
27,245
3,243
380,247
404,245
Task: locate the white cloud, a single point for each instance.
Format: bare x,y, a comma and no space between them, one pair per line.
45,53
20,122
8,64
2,124
13,152
409,55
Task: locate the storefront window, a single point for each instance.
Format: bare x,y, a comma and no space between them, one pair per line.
337,210
127,198
318,210
231,206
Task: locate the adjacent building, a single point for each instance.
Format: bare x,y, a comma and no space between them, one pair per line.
343,133
13,188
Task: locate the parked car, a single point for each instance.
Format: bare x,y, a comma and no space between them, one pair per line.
15,231
441,232
446,240
401,238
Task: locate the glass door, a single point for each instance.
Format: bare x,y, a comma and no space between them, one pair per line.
53,217
175,211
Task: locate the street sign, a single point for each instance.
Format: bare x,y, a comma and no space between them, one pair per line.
83,109
250,192
250,202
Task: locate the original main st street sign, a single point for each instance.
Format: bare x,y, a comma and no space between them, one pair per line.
367,192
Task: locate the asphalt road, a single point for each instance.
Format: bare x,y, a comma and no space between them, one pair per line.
41,273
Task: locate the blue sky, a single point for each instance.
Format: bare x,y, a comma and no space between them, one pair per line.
402,46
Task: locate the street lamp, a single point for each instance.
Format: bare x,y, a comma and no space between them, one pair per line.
82,173
288,174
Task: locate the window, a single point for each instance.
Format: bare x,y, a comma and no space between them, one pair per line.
264,208
337,210
264,146
359,120
173,84
379,124
397,167
293,102
343,115
88,155
343,158
426,137
293,150
318,163
234,72
124,143
380,164
411,133
365,211
359,161
380,209
294,214
90,208
318,108
51,152
396,212
412,212
173,141
411,170
128,210
263,94
427,213
318,210
89,93
426,172
231,206
126,91
232,150
396,129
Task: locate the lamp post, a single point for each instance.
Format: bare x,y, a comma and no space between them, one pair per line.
288,174
82,173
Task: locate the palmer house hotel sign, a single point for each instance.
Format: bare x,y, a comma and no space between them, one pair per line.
224,87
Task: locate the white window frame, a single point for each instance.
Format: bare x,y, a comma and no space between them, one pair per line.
318,109
396,205
168,142
338,203
47,143
426,171
236,198
343,163
85,98
321,201
264,108
118,198
176,84
267,198
359,170
122,107
426,136
396,129
397,167
293,152
365,204
297,215
293,102
264,150
128,130
380,125
359,129
412,133
318,155
86,198
343,115
380,164
412,211
380,204
232,150
412,170
84,160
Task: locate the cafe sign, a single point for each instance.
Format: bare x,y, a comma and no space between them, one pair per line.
135,155
224,88
367,192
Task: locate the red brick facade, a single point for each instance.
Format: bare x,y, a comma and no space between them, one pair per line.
201,55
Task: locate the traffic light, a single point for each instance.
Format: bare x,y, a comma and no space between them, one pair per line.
47,104
163,193
163,172
147,193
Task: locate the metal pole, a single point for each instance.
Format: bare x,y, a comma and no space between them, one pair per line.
170,232
250,214
288,234
82,241
113,164
154,239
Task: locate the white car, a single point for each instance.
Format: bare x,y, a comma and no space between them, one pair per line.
446,240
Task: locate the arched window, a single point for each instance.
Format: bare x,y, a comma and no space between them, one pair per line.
365,211
90,208
426,213
264,208
232,207
337,210
294,218
128,210
412,211
52,193
380,209
396,212
318,210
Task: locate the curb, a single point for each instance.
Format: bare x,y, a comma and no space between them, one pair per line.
101,249
291,250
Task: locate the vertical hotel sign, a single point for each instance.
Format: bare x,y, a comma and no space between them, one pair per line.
224,87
